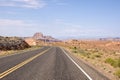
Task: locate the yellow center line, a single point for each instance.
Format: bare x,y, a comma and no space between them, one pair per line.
5,73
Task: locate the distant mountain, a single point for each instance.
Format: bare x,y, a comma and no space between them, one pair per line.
40,36
113,39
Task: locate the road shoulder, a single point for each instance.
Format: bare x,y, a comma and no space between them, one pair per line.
91,70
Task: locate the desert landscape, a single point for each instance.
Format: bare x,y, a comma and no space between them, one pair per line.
103,54
59,39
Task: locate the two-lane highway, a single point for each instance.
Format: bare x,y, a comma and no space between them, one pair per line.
48,63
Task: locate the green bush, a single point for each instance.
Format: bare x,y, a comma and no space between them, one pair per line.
113,62
74,49
117,73
81,51
97,55
119,62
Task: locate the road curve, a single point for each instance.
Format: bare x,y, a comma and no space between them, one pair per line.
48,63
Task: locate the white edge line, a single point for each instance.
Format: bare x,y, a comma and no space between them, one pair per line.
77,65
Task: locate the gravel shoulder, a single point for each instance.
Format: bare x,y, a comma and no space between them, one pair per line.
89,68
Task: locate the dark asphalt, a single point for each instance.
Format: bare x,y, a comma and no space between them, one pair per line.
52,65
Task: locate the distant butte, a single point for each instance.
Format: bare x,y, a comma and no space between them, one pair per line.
39,38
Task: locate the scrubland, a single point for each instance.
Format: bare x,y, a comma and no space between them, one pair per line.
103,55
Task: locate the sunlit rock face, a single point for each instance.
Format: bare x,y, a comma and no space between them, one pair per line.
12,43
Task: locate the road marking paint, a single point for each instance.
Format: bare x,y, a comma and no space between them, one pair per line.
77,65
7,72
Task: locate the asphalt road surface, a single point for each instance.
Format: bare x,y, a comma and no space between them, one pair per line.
47,63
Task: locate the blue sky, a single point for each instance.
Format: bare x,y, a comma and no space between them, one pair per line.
60,18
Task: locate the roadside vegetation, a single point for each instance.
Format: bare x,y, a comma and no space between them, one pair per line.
10,52
113,62
103,55
99,58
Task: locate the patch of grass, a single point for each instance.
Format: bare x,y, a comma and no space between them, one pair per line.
117,73
74,49
113,62
118,62
97,55
82,51
85,54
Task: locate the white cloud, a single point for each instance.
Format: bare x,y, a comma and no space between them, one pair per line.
9,22
23,3
9,27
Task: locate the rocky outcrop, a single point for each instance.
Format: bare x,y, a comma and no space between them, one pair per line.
40,36
12,43
31,41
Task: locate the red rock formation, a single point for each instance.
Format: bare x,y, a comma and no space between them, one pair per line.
31,41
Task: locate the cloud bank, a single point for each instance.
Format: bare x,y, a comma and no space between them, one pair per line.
34,4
